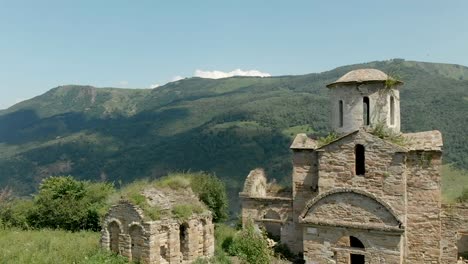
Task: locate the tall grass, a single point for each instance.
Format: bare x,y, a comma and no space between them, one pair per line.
53,246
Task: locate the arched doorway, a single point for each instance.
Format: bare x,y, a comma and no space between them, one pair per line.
184,241
137,242
114,232
272,224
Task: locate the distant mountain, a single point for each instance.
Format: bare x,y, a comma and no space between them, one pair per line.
227,126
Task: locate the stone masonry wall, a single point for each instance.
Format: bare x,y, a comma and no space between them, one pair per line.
305,188
454,220
321,246
352,97
385,175
423,226
157,241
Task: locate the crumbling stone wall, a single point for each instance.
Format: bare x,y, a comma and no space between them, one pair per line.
454,232
164,241
274,213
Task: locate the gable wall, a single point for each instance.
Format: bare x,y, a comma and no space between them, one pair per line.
385,169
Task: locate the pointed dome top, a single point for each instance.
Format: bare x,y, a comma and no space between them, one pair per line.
362,76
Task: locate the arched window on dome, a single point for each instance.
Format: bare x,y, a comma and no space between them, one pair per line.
392,111
341,112
366,111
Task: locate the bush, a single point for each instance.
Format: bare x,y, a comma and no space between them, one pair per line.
250,246
212,192
65,203
15,212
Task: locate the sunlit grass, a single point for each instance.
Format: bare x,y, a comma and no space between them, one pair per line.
52,246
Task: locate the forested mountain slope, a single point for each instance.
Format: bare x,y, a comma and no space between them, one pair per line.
227,126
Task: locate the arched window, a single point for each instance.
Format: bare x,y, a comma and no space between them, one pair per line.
341,112
346,243
355,242
366,111
392,111
360,159
356,258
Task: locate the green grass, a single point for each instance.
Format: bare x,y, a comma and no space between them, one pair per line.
52,246
453,182
184,211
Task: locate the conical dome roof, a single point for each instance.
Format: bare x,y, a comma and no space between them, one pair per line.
362,76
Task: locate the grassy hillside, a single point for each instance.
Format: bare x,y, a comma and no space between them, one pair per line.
227,126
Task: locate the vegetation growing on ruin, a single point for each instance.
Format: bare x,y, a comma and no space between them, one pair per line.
210,190
380,130
322,141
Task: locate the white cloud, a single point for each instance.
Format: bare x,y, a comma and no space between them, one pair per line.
177,78
156,85
221,74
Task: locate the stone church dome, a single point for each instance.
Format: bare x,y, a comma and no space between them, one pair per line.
362,76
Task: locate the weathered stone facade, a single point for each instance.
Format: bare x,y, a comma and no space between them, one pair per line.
125,231
361,198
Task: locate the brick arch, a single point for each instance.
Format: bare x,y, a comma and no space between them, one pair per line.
267,213
113,229
379,212
117,221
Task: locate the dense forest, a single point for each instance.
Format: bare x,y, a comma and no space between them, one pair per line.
227,126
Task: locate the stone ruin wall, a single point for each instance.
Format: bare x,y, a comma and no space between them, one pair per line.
305,188
270,212
454,232
423,224
321,245
342,213
154,242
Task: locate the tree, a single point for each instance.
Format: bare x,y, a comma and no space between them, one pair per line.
66,203
212,192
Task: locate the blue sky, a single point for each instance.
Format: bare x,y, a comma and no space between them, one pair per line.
116,43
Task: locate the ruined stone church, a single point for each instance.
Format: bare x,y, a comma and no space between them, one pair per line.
370,195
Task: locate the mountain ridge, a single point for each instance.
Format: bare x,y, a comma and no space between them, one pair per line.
227,126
